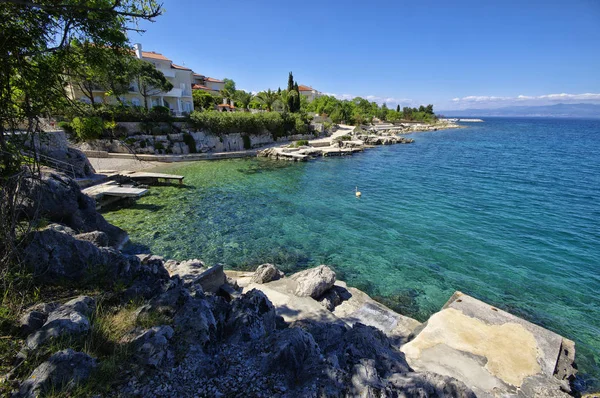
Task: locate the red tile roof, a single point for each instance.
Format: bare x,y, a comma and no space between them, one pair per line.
201,87
153,55
226,106
198,74
305,88
179,67
212,79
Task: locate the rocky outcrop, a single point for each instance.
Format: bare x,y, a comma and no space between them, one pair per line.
314,282
334,297
70,319
58,256
251,316
189,271
383,140
152,346
54,144
97,238
266,273
58,199
62,371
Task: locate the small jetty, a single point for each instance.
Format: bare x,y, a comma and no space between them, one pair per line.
111,186
110,192
152,178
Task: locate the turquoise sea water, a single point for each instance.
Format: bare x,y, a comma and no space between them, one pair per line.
507,211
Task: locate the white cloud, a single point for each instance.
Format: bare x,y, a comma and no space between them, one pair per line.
374,98
540,98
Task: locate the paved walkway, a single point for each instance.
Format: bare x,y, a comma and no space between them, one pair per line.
343,130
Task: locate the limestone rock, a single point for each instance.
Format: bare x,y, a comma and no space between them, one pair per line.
314,282
189,271
427,384
35,317
63,370
60,200
266,273
152,346
70,319
334,297
98,238
252,316
541,386
195,323
295,353
59,256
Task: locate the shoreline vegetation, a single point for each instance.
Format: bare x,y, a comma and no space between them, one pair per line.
79,317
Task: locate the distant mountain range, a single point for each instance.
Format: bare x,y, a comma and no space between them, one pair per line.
558,110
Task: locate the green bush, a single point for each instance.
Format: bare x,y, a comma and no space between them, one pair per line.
66,126
277,124
88,128
327,125
190,142
300,143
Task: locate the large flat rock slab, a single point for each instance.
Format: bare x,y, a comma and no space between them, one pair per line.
491,351
362,308
358,308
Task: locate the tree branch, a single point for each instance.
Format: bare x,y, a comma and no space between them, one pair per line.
154,12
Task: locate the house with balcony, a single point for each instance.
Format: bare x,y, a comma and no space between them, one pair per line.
309,92
179,100
209,84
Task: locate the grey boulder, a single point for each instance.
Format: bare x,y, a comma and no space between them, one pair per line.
266,273
314,282
62,371
70,319
98,238
152,345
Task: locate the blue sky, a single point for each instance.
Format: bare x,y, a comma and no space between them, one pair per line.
455,54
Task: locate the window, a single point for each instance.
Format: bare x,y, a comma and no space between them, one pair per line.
135,102
85,100
98,99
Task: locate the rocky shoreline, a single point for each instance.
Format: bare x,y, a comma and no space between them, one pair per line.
182,328
356,140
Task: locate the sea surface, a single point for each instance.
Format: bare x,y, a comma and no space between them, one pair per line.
507,211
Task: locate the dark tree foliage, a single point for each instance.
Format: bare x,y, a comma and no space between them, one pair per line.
36,57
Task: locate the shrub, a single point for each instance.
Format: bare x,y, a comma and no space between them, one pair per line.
190,142
66,126
277,124
159,145
300,143
327,125
87,128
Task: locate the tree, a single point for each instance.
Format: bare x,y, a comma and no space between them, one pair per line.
35,51
229,85
296,98
150,81
398,108
267,98
382,114
243,99
205,100
94,68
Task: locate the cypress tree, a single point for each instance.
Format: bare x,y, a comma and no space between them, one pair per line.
297,99
290,82
398,108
